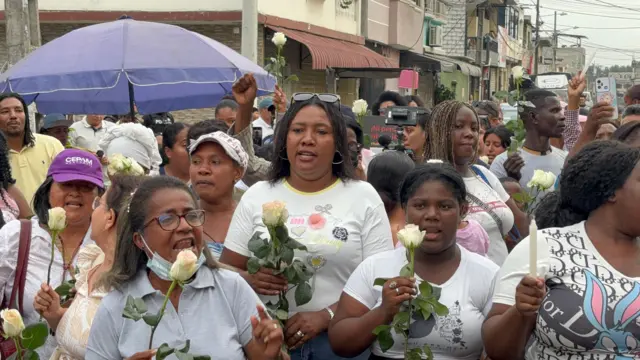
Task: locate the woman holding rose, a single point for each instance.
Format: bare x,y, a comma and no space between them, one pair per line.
215,310
341,221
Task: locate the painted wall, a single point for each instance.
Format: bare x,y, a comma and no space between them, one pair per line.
462,86
324,13
140,5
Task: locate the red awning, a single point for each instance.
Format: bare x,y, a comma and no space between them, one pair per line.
337,54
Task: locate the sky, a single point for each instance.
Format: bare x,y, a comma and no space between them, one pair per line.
612,26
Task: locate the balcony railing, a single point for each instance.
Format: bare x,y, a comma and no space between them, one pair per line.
435,7
477,48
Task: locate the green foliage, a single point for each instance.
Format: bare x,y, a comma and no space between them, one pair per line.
443,94
34,336
277,254
276,65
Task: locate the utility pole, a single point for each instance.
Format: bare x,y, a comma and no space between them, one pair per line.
34,23
249,42
17,23
537,49
555,38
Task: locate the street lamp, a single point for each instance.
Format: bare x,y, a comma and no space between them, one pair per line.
555,35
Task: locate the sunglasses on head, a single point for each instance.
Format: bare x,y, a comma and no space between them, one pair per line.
326,98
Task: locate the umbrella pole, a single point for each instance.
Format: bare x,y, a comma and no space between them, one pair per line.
132,110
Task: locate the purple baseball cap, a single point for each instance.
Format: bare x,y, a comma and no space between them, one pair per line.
76,165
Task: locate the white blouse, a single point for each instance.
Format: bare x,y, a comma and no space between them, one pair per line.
37,266
72,333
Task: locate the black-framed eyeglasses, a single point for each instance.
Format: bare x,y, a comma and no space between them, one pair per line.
170,222
356,147
327,98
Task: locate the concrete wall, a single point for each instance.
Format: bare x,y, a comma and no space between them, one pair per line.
454,39
325,13
462,85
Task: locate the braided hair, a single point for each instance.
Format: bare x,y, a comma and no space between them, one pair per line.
29,139
439,131
6,179
590,178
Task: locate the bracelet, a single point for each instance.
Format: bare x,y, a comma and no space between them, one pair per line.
331,314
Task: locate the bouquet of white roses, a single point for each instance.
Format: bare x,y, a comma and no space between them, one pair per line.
122,165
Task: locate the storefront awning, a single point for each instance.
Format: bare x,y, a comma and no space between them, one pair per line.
336,54
464,67
425,62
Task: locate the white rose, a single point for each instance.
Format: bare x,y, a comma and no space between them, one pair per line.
542,180
411,237
116,164
279,39
12,323
360,107
136,169
484,159
517,72
57,219
185,266
274,213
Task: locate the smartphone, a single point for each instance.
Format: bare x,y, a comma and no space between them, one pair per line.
606,92
257,136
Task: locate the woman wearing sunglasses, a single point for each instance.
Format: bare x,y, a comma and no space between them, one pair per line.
341,221
216,310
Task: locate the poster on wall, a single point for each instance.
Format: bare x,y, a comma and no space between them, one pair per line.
503,35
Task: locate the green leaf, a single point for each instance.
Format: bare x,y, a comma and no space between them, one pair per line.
292,78
383,332
202,357
163,351
425,289
186,347
35,335
400,318
519,198
303,293
294,244
440,309
425,308
406,271
258,246
253,265
427,352
183,356
64,289
286,255
283,304
302,270
380,281
152,319
29,354
282,315
414,354
282,233
133,309
291,275
436,292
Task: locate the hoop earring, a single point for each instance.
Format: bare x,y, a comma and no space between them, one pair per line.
280,154
341,158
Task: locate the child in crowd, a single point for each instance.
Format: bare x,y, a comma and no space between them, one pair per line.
472,236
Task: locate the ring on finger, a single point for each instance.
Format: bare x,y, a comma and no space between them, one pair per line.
275,326
393,285
397,291
299,334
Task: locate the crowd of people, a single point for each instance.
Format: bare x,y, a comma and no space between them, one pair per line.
203,186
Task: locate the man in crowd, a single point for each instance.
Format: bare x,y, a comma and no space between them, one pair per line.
226,111
632,96
29,154
157,122
265,122
87,133
492,111
631,113
57,125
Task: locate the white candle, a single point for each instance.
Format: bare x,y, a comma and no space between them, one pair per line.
533,249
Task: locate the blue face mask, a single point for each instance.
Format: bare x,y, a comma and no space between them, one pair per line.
161,267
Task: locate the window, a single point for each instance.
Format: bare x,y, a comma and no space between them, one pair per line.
513,23
418,3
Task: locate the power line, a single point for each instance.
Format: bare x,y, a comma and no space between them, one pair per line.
588,14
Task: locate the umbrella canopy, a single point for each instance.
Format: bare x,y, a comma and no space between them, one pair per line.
95,69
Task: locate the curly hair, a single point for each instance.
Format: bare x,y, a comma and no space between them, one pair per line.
6,179
280,165
439,129
392,96
590,178
29,139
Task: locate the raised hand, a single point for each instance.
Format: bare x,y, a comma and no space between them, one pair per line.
245,90
267,333
529,295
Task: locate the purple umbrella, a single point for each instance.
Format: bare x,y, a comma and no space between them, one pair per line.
101,69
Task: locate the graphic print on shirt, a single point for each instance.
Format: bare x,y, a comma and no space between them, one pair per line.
589,312
447,327
320,232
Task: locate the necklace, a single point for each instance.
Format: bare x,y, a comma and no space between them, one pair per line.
67,265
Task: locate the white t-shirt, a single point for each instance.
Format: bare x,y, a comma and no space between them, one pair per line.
340,226
589,306
467,294
495,197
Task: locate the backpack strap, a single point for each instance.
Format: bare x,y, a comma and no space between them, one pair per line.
476,169
19,280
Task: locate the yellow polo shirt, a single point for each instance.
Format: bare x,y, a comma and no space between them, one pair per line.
29,166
